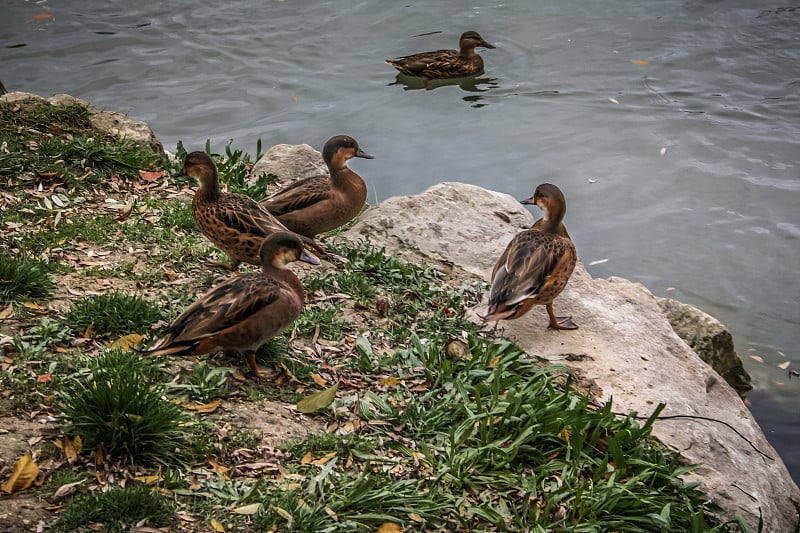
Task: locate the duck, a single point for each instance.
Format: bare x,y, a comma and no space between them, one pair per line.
234,222
443,64
318,204
536,264
243,312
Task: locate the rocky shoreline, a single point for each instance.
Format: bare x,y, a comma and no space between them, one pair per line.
632,347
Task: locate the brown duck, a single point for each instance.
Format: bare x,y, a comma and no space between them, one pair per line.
442,64
319,204
244,312
234,222
536,264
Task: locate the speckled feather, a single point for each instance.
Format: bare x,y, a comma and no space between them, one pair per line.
234,222
442,64
319,204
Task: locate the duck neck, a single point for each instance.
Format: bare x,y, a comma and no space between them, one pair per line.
209,188
467,51
287,277
553,216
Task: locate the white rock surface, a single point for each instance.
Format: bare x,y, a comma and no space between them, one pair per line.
625,346
290,162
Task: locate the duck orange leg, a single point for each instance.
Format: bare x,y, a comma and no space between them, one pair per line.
251,360
559,322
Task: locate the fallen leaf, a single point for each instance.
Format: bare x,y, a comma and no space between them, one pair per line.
640,62
324,459
67,490
127,342
663,150
151,175
319,380
44,378
613,100
72,448
31,305
389,527
598,262
248,509
757,358
785,365
8,312
203,408
149,480
415,517
24,474
42,16
319,400
216,525
389,382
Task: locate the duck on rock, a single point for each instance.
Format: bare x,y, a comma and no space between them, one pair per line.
234,222
319,204
244,312
536,264
443,64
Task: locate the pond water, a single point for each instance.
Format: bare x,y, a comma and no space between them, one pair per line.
673,127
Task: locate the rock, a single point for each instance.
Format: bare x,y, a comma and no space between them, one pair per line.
625,348
290,162
709,339
115,124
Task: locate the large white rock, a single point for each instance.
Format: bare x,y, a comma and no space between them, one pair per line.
625,348
290,162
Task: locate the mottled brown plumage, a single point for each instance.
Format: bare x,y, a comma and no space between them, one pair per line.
443,64
536,264
234,222
318,204
244,312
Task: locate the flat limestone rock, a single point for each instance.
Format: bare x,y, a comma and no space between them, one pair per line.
625,347
290,162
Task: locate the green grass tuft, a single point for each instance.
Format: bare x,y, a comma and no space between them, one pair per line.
117,510
24,278
120,408
113,313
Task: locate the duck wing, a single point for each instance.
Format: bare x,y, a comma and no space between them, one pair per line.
420,64
223,307
245,215
299,195
525,267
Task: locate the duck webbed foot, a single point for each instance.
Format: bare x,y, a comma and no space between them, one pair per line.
560,322
254,368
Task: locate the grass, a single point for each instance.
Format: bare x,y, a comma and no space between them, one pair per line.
113,313
437,425
118,408
22,278
117,510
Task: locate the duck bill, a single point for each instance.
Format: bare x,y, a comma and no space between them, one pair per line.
308,257
487,45
528,201
362,153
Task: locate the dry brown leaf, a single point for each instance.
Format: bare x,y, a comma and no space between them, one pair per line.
640,62
8,312
389,527
324,459
127,342
203,408
151,175
24,474
71,448
319,380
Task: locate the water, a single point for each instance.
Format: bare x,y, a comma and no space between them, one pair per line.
567,97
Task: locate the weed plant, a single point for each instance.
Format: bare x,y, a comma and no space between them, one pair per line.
22,278
113,313
119,407
117,510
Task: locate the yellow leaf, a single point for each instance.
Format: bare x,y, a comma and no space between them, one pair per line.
127,342
307,458
784,366
389,382
149,480
640,62
71,449
389,527
8,312
324,459
32,305
564,434
318,400
319,380
203,408
248,509
217,526
494,361
415,517
25,472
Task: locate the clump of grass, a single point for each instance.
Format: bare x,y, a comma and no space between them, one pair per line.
24,278
206,384
326,317
113,313
120,408
117,510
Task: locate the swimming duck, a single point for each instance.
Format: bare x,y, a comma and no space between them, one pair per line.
244,312
234,222
442,64
318,204
536,264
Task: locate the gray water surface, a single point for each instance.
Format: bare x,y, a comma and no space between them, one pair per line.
583,94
